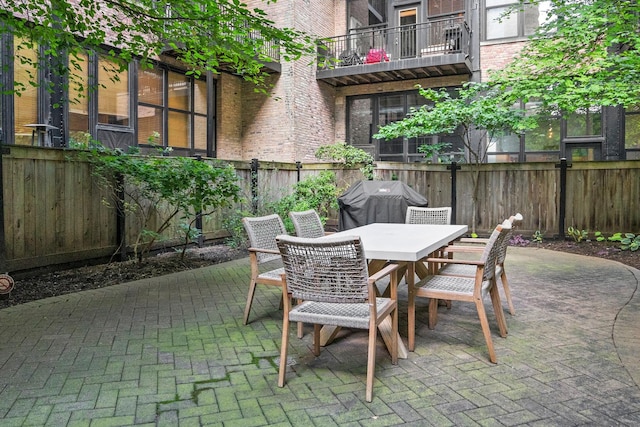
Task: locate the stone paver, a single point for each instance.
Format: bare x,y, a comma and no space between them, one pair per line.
173,351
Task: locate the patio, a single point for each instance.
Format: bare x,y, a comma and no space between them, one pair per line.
173,350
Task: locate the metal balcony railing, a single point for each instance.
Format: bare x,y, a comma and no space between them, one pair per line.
369,45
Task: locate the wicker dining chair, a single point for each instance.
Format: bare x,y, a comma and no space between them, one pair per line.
307,223
262,232
469,289
419,215
330,277
469,270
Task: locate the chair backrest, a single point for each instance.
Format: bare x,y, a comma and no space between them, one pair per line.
325,270
262,232
307,223
492,249
418,215
502,252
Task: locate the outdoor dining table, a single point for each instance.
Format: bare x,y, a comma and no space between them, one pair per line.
405,244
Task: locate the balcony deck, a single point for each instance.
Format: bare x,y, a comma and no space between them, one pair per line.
376,55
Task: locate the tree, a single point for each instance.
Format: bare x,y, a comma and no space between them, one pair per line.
476,113
157,191
587,55
206,35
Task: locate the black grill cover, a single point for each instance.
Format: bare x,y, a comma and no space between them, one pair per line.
366,202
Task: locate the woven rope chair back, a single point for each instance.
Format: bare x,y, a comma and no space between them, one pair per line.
330,270
492,250
418,215
502,253
262,232
307,223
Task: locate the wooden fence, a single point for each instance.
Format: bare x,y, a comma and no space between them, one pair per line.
55,213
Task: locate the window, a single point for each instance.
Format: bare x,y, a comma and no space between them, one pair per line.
25,105
79,99
445,7
507,19
585,122
632,134
113,94
367,113
180,101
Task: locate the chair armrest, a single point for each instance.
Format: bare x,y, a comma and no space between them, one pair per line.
264,251
385,271
462,249
478,240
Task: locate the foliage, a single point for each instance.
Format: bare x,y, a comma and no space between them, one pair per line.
349,155
206,35
476,112
577,235
599,236
317,192
537,237
166,188
589,55
630,242
429,150
615,237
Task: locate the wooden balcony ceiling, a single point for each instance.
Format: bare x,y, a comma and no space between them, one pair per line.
397,70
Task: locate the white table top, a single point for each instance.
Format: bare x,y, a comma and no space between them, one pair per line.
403,242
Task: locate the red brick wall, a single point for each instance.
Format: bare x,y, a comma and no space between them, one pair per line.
497,56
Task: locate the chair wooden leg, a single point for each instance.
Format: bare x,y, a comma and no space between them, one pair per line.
316,339
394,336
247,308
283,352
371,362
485,330
497,308
507,291
433,313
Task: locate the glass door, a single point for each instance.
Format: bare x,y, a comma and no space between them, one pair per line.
408,18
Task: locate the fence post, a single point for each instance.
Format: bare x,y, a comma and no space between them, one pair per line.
254,185
453,167
563,195
121,218
298,167
199,213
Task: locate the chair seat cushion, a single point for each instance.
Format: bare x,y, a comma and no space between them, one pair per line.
458,270
453,284
337,314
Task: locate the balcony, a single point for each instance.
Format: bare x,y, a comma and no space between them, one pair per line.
382,54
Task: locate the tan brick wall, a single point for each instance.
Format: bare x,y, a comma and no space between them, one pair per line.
298,117
228,114
497,56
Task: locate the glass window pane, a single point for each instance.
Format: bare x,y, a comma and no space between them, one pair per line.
113,94
200,97
632,131
26,105
391,110
360,121
149,124
504,142
441,7
545,137
79,99
585,122
179,92
496,28
179,130
535,15
200,133
150,84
